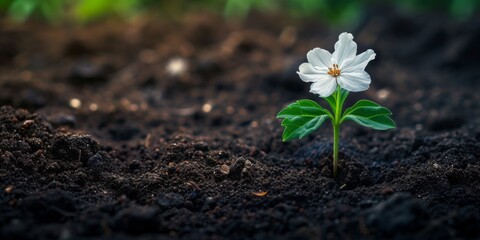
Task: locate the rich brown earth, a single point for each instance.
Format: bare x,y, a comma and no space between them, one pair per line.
188,151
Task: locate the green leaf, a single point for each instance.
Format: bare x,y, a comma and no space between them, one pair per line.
381,122
343,95
367,108
331,101
299,127
304,107
369,114
302,118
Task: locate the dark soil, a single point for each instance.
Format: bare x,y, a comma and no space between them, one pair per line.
175,136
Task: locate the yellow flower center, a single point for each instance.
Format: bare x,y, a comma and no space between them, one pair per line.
335,72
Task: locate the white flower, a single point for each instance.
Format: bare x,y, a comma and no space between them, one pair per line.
343,67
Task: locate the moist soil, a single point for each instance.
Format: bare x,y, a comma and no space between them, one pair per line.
166,129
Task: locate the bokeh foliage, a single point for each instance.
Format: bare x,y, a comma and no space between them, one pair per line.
82,11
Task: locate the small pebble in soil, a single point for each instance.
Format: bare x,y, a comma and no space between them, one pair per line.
75,103
176,66
93,107
9,189
383,94
225,169
207,107
27,123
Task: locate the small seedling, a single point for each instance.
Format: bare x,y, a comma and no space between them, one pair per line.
333,76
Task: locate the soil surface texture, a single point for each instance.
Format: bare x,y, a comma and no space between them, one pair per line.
167,129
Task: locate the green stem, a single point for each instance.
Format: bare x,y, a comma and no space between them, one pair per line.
336,130
336,140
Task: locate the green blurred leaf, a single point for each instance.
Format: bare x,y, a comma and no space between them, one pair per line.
20,10
234,8
333,11
463,8
88,10
240,8
51,10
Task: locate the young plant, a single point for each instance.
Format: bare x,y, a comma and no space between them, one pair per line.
334,75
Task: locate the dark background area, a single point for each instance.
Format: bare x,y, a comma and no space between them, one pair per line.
156,119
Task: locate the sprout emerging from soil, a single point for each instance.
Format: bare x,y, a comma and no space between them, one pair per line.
333,76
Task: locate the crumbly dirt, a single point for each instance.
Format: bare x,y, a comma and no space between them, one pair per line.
166,129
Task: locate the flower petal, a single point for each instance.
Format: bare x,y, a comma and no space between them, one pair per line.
345,49
324,87
359,62
308,73
320,58
354,81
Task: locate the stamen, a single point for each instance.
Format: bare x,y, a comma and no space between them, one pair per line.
335,72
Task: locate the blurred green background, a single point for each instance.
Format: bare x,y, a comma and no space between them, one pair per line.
335,11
